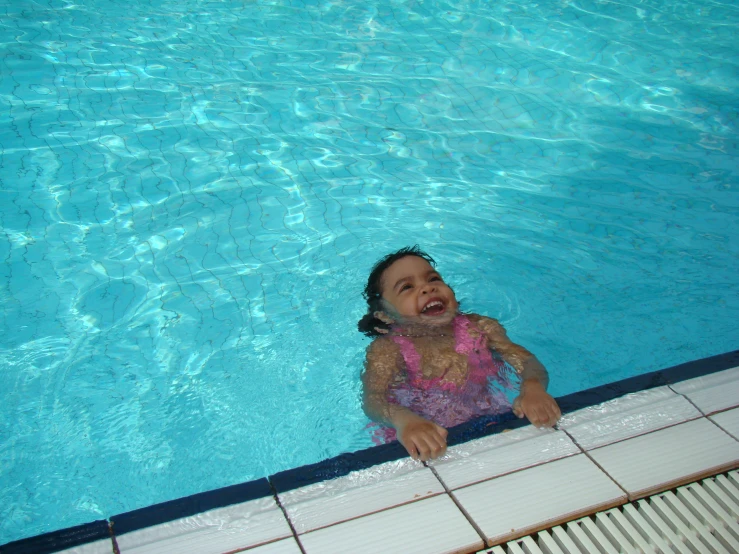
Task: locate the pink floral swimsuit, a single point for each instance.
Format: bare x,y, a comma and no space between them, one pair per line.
444,402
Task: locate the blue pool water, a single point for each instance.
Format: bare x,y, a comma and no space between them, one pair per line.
192,194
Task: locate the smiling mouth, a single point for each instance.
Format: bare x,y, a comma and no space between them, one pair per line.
435,307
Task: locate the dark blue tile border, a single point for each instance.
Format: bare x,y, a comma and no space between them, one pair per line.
668,376
336,467
60,540
189,506
346,463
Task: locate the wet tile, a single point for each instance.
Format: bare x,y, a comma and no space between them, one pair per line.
285,546
503,453
359,493
222,530
712,393
728,421
629,416
431,526
523,502
97,547
669,457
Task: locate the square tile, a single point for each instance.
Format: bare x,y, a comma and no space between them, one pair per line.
431,526
496,455
712,393
728,421
98,547
628,416
523,502
359,493
669,457
213,532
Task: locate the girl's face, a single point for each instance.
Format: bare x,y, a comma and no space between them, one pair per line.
417,293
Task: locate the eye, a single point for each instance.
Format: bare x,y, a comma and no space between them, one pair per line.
435,278
407,286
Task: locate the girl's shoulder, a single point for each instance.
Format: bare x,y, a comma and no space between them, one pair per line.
487,325
383,344
383,357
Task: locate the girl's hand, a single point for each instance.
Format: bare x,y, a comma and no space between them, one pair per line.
535,403
423,439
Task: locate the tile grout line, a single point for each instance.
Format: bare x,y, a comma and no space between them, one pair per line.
287,518
723,411
114,542
640,434
372,513
467,516
717,424
507,473
708,416
686,397
589,457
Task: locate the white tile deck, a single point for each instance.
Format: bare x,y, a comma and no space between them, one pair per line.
660,460
214,532
506,452
431,526
97,547
712,393
521,502
628,416
285,546
359,493
728,421
509,484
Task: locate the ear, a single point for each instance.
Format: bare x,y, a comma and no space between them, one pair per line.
382,316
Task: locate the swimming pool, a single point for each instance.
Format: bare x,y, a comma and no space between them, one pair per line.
193,194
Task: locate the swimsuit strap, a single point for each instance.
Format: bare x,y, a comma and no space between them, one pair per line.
413,365
479,357
475,348
410,355
465,343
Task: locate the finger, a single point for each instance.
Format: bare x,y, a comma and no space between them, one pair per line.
546,415
539,417
412,450
516,407
551,413
441,443
424,449
557,417
533,416
437,445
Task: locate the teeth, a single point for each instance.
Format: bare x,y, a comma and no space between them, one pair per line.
432,304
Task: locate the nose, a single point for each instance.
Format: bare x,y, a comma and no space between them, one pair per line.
428,287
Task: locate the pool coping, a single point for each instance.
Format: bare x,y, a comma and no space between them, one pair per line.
284,481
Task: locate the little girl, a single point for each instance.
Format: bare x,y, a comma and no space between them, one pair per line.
430,366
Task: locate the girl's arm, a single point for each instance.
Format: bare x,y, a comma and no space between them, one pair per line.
523,361
422,438
533,402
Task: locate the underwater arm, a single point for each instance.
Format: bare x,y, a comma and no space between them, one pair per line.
381,367
534,402
422,438
524,362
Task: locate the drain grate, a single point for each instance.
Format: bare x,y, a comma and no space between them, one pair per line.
698,518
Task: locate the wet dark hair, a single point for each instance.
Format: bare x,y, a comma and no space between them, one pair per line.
373,291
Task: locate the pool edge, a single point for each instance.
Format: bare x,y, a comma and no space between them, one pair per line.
55,541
